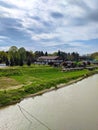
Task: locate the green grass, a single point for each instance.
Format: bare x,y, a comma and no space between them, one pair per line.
32,80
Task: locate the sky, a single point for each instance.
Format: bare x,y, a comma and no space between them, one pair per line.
49,25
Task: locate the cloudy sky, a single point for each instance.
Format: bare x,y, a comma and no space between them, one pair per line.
49,25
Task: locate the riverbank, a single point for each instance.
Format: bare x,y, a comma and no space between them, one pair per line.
36,80
61,85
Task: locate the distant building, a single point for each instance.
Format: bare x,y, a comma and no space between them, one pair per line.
2,65
49,60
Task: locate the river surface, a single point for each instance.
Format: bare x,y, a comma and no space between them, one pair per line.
70,108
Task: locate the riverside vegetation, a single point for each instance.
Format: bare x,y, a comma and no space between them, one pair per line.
17,83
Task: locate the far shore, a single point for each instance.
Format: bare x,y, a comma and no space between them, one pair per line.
50,89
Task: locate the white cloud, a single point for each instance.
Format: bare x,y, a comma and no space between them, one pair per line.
12,13
22,4
51,23
44,36
3,37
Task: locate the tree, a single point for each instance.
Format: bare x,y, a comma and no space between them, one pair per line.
21,63
59,53
62,55
46,54
7,62
38,54
94,56
3,56
13,55
11,62
28,62
30,56
13,50
22,56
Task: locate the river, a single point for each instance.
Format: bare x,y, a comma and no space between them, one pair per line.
70,108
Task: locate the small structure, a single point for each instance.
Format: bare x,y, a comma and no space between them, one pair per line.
91,68
69,64
50,60
72,69
2,65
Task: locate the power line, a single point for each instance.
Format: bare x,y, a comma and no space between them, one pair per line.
32,117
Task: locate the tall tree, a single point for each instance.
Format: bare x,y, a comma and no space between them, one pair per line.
22,55
3,56
46,54
13,55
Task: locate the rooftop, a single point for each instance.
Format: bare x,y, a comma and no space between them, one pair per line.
48,57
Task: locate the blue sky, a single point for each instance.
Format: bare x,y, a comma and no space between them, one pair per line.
49,25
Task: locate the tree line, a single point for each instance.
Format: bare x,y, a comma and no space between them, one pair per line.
15,56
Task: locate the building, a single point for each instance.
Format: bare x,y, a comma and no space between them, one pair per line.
49,60
2,65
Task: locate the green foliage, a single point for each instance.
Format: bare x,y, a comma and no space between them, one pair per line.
13,55
28,62
22,56
95,55
74,56
34,78
21,62
10,72
7,62
3,56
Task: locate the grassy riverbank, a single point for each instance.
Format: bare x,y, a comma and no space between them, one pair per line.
17,83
